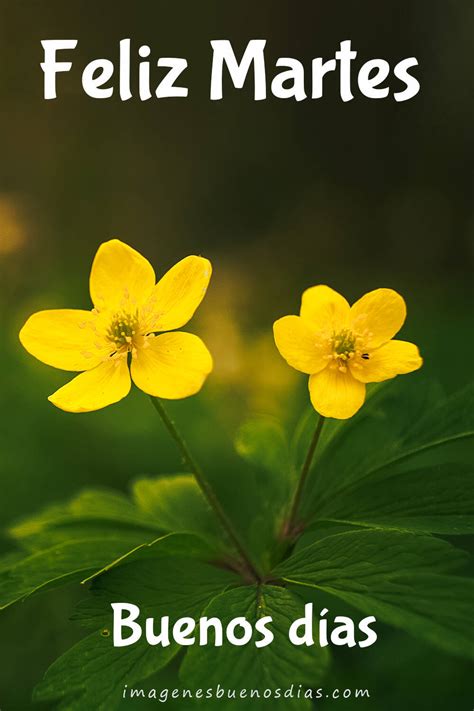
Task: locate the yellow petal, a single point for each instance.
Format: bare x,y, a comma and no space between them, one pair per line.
109,382
173,365
380,314
299,344
336,394
391,359
178,294
121,278
324,309
64,338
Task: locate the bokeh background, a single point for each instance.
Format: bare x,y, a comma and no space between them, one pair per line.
279,195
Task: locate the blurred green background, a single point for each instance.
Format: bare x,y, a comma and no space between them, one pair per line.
279,195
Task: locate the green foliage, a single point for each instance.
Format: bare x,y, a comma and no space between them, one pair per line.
93,509
395,449
263,444
401,578
176,503
437,499
277,665
380,484
93,673
70,542
60,564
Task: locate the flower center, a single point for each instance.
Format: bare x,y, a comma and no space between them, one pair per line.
123,329
343,344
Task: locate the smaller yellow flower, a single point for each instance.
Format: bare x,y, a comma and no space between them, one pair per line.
343,347
125,330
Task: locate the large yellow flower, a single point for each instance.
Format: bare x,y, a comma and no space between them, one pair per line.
343,347
120,331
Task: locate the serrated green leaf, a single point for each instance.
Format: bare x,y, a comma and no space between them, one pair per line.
93,673
159,505
64,563
171,544
174,585
436,499
396,432
176,503
452,418
377,431
278,665
401,578
99,508
322,529
98,529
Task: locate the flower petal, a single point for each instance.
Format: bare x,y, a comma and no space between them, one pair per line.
64,338
336,394
109,382
173,366
324,309
391,359
178,294
381,313
299,344
121,278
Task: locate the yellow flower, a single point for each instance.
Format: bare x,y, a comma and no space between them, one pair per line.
342,347
129,310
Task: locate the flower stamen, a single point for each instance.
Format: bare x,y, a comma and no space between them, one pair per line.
123,330
344,347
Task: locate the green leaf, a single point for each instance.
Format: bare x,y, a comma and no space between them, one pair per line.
453,418
93,673
99,508
171,544
322,529
356,445
401,578
176,503
64,563
262,442
278,665
436,499
159,505
396,432
83,559
173,585
333,430
98,529
9,559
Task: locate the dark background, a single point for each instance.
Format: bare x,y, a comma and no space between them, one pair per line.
279,195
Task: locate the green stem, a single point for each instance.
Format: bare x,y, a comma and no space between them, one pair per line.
206,488
295,504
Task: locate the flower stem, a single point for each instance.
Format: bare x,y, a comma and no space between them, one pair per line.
290,526
206,488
